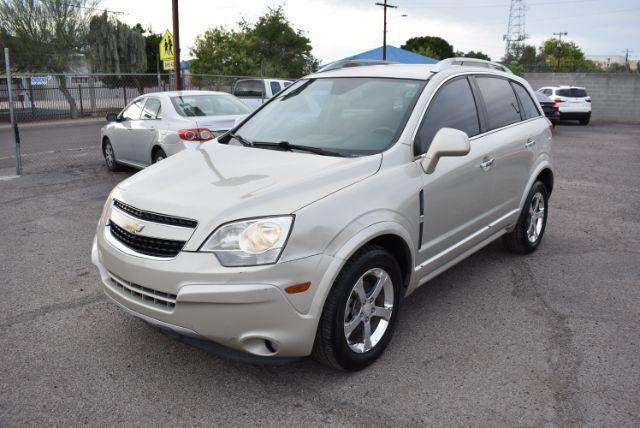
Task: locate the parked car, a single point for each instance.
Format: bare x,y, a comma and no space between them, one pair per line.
573,101
302,229
156,125
254,92
550,108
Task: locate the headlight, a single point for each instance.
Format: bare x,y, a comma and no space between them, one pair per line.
249,242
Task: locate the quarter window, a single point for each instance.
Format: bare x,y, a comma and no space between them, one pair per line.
132,112
529,109
275,87
500,101
151,109
452,107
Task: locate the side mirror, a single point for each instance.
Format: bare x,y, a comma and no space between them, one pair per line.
446,142
239,120
112,117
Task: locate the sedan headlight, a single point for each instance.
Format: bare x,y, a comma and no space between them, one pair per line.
249,242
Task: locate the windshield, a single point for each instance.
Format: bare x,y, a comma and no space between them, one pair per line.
347,115
208,105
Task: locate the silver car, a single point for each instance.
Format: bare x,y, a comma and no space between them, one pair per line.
156,125
302,230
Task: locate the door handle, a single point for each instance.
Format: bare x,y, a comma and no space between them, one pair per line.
530,143
486,165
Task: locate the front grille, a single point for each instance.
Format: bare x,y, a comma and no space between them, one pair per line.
144,294
158,218
146,245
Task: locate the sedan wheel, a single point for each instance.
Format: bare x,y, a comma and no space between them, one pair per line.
110,156
159,155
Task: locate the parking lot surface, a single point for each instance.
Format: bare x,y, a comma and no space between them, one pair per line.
551,338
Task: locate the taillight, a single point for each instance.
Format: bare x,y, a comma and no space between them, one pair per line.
195,134
588,100
558,100
555,107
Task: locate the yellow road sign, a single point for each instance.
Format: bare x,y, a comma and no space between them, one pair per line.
166,46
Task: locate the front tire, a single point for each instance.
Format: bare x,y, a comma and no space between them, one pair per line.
110,156
529,230
360,312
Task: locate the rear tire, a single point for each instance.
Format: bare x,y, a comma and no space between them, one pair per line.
584,121
110,156
158,155
360,312
529,230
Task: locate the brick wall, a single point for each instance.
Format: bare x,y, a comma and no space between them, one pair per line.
616,96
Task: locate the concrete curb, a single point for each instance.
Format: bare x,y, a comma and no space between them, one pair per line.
56,123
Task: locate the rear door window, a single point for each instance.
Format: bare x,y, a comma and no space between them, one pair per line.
151,109
452,107
500,101
529,109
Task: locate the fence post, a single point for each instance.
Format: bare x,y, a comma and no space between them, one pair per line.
124,93
14,124
80,96
92,95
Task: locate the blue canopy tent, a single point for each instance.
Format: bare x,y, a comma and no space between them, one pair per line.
394,54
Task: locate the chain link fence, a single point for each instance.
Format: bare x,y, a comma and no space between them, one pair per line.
82,96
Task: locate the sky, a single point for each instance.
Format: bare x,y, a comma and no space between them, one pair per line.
340,28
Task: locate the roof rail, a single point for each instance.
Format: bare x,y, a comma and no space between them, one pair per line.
352,63
471,62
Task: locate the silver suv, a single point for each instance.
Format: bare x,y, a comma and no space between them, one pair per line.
301,231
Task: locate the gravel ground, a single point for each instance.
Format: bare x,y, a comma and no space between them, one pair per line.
548,339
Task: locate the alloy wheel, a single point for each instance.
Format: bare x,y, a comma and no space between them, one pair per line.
368,310
536,217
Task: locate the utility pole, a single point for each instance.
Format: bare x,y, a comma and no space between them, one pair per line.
626,59
177,81
559,50
385,6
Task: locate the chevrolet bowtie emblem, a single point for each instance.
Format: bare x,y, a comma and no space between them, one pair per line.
133,227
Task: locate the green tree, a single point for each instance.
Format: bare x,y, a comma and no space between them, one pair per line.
46,36
152,41
271,45
564,56
476,54
431,46
115,47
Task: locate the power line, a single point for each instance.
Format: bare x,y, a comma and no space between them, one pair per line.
480,5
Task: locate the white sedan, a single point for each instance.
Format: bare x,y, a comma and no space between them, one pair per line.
156,125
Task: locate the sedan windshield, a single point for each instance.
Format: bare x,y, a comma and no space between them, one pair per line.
208,105
347,115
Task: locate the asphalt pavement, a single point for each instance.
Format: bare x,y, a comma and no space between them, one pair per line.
552,338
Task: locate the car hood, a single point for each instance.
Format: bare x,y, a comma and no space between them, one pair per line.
218,183
217,123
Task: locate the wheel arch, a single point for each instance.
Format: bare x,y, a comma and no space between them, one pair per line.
388,235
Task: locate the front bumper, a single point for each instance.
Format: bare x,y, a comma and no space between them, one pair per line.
245,309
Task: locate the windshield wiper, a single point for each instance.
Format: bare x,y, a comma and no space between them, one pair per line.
285,145
241,139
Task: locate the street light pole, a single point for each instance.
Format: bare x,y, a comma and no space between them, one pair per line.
177,81
385,6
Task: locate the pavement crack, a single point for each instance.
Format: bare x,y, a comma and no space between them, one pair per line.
563,357
47,309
